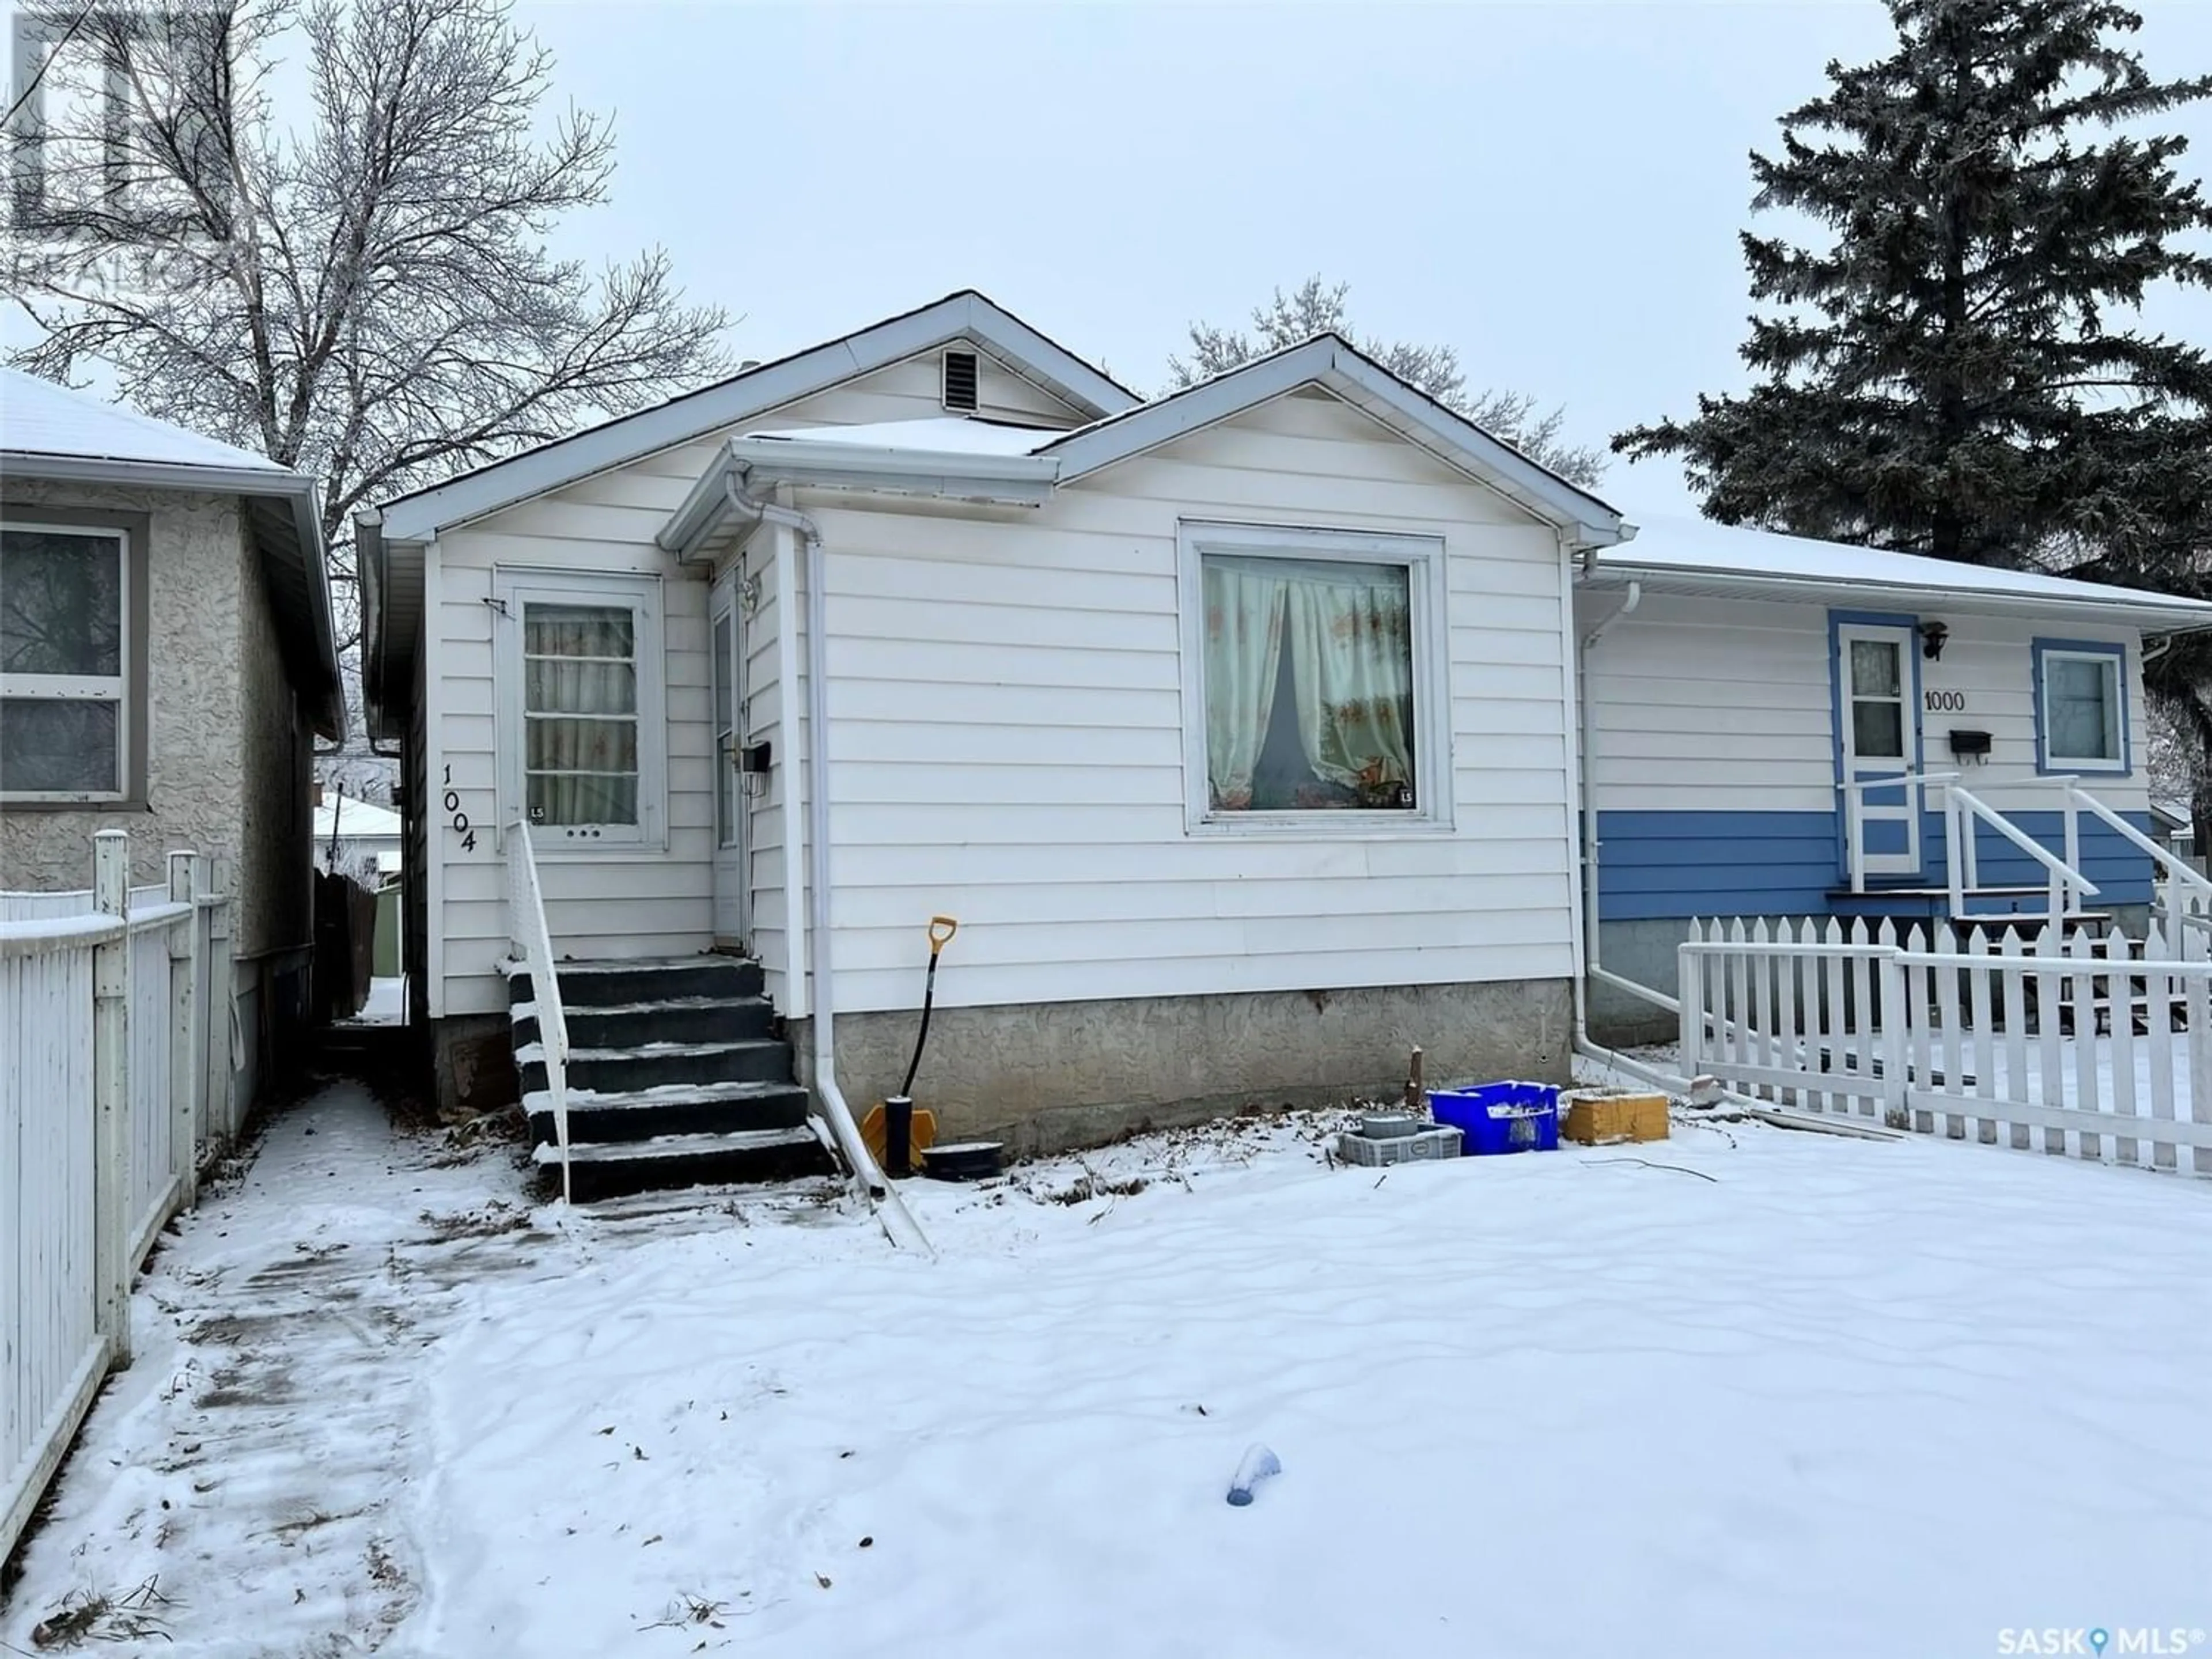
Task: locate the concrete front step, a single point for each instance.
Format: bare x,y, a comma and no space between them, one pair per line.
672,1109
604,1169
638,1024
619,1071
602,984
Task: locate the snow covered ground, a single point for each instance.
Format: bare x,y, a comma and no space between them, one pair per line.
1749,1393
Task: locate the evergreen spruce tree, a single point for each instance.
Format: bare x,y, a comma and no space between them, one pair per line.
1958,369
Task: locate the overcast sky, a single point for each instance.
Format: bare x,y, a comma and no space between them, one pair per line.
1554,189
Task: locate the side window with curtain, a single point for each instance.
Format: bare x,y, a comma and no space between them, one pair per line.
1311,679
583,737
580,713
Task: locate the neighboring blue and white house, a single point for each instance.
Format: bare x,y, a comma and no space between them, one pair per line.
1742,688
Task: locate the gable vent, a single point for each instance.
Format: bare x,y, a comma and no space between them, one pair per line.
960,379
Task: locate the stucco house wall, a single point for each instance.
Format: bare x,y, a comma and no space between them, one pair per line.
197,553
228,748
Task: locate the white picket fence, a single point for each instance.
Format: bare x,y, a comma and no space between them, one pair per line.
114,1082
2100,1049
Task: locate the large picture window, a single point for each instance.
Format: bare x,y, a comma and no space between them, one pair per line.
66,661
2080,692
584,739
1311,660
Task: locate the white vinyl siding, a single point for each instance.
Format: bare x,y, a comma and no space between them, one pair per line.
1007,741
639,900
1704,705
1007,698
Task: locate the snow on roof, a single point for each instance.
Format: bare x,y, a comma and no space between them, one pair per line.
940,434
38,417
357,820
1692,547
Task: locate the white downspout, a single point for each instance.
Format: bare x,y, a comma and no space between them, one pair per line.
890,1209
1624,1064
1587,726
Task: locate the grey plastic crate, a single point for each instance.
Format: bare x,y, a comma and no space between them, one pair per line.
1440,1141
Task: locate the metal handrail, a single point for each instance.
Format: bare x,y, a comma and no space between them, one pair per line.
527,932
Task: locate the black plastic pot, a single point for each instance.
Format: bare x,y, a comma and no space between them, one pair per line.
968,1160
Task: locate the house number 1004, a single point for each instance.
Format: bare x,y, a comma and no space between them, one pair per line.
452,805
1944,702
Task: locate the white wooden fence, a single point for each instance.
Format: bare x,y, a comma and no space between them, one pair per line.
114,1082
2098,1048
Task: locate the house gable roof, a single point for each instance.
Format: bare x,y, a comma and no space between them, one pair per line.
966,315
1332,363
54,432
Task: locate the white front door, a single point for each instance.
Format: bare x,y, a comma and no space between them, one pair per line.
1880,739
733,882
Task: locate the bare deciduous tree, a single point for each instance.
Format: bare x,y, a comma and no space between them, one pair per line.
367,296
1316,307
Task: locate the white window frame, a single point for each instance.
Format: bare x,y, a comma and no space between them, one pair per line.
513,588
2113,659
84,688
1423,559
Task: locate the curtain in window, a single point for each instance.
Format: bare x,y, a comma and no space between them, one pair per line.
580,713
2083,723
1244,608
1351,636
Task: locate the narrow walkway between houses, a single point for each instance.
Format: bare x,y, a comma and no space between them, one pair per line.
253,1484
239,1490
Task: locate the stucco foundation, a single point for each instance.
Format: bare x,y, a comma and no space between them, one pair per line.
1047,1076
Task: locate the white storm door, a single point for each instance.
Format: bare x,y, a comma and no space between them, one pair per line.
732,869
1878,741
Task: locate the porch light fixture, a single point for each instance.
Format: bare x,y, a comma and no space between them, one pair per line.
1932,636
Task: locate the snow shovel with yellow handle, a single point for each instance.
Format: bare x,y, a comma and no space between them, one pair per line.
894,1131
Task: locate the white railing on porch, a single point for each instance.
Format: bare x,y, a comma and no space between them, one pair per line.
107,1079
533,946
1936,1031
2066,887
2180,888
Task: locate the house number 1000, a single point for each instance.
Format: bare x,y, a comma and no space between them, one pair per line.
1944,702
453,804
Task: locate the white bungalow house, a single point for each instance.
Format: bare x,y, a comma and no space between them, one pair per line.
1232,725
1239,728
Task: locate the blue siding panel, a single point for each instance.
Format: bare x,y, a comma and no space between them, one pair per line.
1674,864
